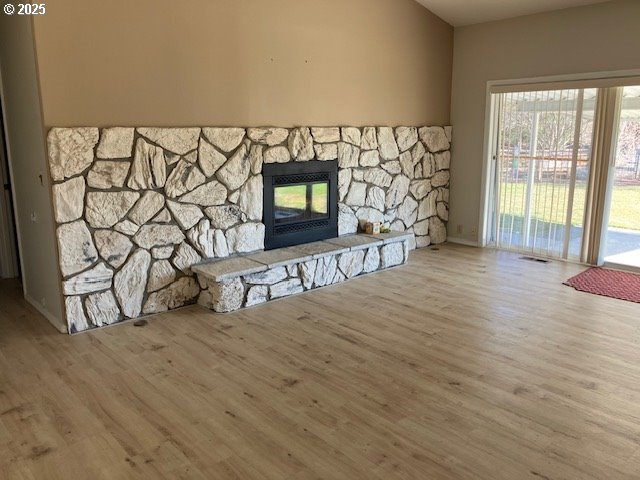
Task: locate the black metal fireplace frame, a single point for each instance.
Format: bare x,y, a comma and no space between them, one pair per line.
296,233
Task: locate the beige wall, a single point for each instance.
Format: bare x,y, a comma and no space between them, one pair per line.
603,37
25,142
243,62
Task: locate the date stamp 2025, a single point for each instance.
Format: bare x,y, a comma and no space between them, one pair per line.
25,8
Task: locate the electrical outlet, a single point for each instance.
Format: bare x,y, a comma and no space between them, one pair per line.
34,217
459,229
474,231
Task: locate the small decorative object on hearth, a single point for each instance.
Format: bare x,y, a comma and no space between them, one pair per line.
372,228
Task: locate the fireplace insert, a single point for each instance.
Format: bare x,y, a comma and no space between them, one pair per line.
300,202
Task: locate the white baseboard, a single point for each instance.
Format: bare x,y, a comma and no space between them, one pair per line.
46,314
462,241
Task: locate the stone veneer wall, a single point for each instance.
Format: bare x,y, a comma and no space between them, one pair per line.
137,207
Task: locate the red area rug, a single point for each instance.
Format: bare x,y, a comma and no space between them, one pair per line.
609,283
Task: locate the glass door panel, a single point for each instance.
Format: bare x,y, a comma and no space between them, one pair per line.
622,245
542,168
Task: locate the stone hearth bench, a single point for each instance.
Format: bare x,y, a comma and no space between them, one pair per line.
251,279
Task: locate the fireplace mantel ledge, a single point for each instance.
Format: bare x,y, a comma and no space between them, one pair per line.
220,270
250,279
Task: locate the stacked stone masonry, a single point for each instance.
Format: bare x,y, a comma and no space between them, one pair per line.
136,208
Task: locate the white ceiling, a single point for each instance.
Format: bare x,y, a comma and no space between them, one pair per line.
467,12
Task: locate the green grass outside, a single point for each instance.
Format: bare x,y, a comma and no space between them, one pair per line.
625,205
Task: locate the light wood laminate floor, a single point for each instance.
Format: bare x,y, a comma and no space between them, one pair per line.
465,364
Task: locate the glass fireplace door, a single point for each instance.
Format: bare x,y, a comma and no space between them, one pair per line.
301,202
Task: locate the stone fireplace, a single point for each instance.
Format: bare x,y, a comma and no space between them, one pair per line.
300,202
137,207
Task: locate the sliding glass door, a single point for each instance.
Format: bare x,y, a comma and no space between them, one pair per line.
622,243
542,162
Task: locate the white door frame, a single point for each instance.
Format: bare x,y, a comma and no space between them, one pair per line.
486,194
488,169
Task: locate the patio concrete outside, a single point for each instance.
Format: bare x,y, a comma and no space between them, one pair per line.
622,245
